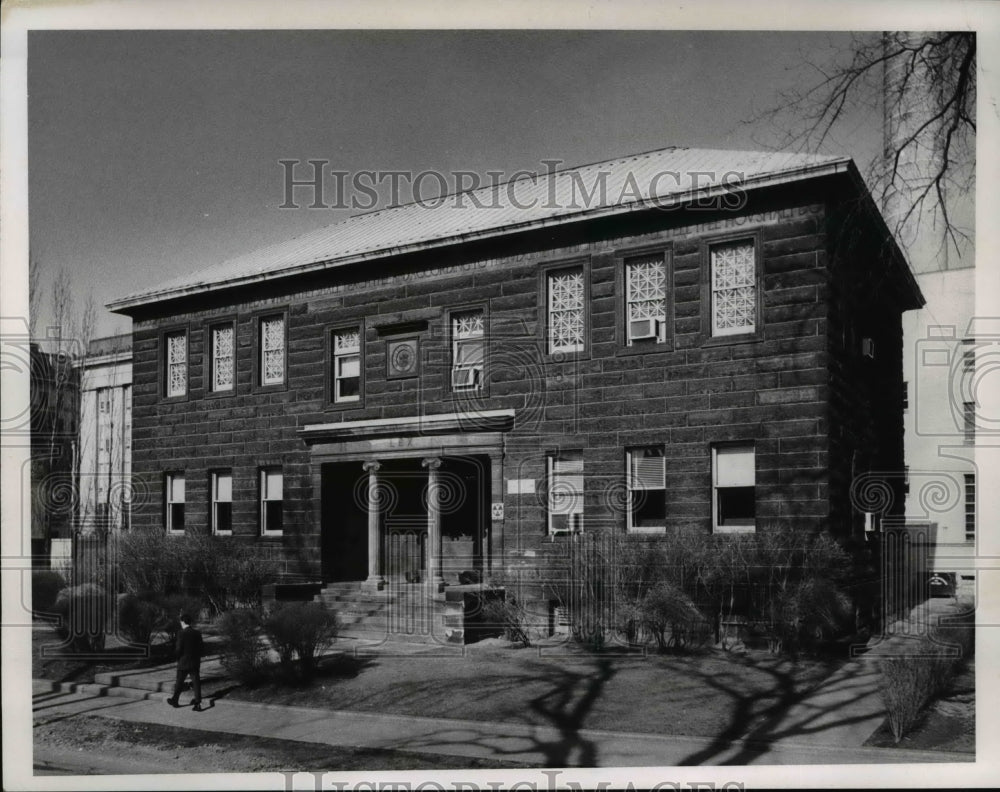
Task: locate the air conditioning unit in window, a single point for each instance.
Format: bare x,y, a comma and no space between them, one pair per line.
639,329
464,378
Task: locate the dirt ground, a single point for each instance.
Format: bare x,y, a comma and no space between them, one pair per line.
81,744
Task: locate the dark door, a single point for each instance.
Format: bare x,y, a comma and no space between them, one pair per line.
344,544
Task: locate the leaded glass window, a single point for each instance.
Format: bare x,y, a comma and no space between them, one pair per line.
272,349
734,288
222,358
347,365
566,307
467,350
176,364
646,297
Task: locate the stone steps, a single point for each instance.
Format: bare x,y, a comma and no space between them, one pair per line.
397,613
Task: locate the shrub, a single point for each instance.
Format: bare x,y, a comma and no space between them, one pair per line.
919,672
45,587
137,618
808,612
672,618
170,608
300,628
225,572
508,614
83,616
244,656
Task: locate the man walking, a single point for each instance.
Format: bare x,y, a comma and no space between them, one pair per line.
188,661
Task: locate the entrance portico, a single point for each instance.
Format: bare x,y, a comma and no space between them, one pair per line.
420,487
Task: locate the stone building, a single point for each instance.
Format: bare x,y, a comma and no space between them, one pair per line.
678,338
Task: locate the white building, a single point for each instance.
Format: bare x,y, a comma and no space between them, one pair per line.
939,421
105,442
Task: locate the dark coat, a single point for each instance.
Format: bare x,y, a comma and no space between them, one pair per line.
188,649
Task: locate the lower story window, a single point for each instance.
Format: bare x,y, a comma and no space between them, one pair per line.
734,498
222,502
174,517
646,475
565,475
271,500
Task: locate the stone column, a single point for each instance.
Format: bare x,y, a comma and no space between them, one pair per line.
375,581
434,579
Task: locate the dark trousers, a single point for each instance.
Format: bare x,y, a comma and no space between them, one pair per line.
195,682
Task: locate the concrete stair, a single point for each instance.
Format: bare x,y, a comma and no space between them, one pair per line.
401,612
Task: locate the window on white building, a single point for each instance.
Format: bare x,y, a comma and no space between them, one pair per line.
734,288
467,350
175,502
565,495
646,475
347,366
223,357
271,500
646,299
970,507
176,363
222,502
566,319
734,506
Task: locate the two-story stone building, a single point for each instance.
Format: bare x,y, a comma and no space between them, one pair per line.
682,337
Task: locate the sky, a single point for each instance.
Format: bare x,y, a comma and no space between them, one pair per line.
155,153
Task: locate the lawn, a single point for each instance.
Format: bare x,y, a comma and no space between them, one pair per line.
707,694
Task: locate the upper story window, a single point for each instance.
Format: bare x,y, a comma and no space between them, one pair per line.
271,500
565,501
733,279
970,507
734,478
272,350
566,321
969,422
176,363
646,473
174,517
223,357
646,298
467,350
347,365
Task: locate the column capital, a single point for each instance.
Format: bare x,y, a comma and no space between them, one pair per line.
431,463
372,466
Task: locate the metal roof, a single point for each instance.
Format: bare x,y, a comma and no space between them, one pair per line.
663,177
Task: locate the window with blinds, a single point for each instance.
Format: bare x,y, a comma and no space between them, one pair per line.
646,474
174,516
222,502
734,482
565,492
271,500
